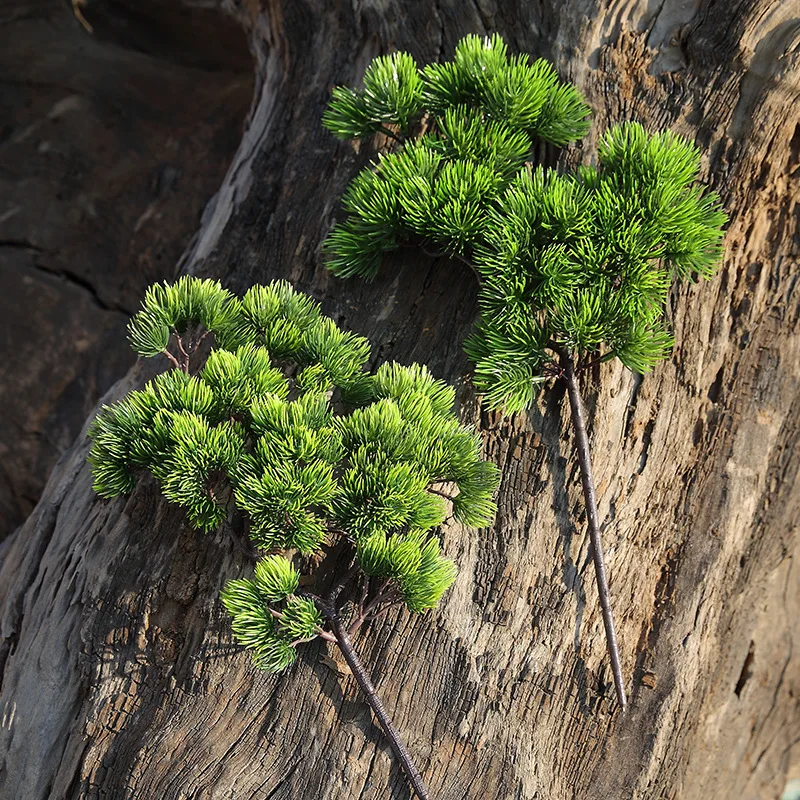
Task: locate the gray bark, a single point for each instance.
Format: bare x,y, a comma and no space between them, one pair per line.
119,676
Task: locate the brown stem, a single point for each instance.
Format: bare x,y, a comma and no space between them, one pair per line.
365,586
371,696
197,344
185,365
584,365
367,609
391,134
593,518
441,494
171,358
339,587
323,634
389,603
589,364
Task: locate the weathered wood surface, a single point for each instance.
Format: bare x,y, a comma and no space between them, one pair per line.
119,678
110,147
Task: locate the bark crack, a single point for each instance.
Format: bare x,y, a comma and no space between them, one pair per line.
70,277
86,286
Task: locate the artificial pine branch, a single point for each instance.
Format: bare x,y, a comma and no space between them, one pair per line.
574,267
282,423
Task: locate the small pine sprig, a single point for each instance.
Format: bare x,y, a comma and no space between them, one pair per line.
465,128
169,309
391,95
282,424
268,617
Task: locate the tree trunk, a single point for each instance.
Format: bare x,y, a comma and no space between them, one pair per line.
110,146
119,676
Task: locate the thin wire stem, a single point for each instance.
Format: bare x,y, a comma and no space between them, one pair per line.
391,134
371,696
593,518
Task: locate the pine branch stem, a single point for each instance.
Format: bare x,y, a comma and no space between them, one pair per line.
365,586
593,518
199,342
391,134
371,696
584,365
367,609
171,357
185,365
328,637
339,587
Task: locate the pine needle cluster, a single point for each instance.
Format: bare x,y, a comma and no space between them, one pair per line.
583,262
578,262
465,129
283,424
574,267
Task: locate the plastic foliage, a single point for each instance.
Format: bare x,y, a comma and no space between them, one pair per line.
281,423
462,130
574,267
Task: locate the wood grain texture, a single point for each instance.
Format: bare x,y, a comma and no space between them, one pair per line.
119,676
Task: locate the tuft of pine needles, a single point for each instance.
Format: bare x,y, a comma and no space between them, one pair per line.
281,423
574,267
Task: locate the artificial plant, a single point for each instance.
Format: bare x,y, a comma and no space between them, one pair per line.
574,267
281,423
459,132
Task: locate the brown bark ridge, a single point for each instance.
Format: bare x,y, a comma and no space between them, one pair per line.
119,676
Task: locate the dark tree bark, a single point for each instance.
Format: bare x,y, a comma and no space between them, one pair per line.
110,147
119,676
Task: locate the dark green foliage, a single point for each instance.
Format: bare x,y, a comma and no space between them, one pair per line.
482,112
283,424
578,262
584,261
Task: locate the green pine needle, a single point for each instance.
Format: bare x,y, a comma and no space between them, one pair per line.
264,429
391,96
482,112
276,578
301,619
